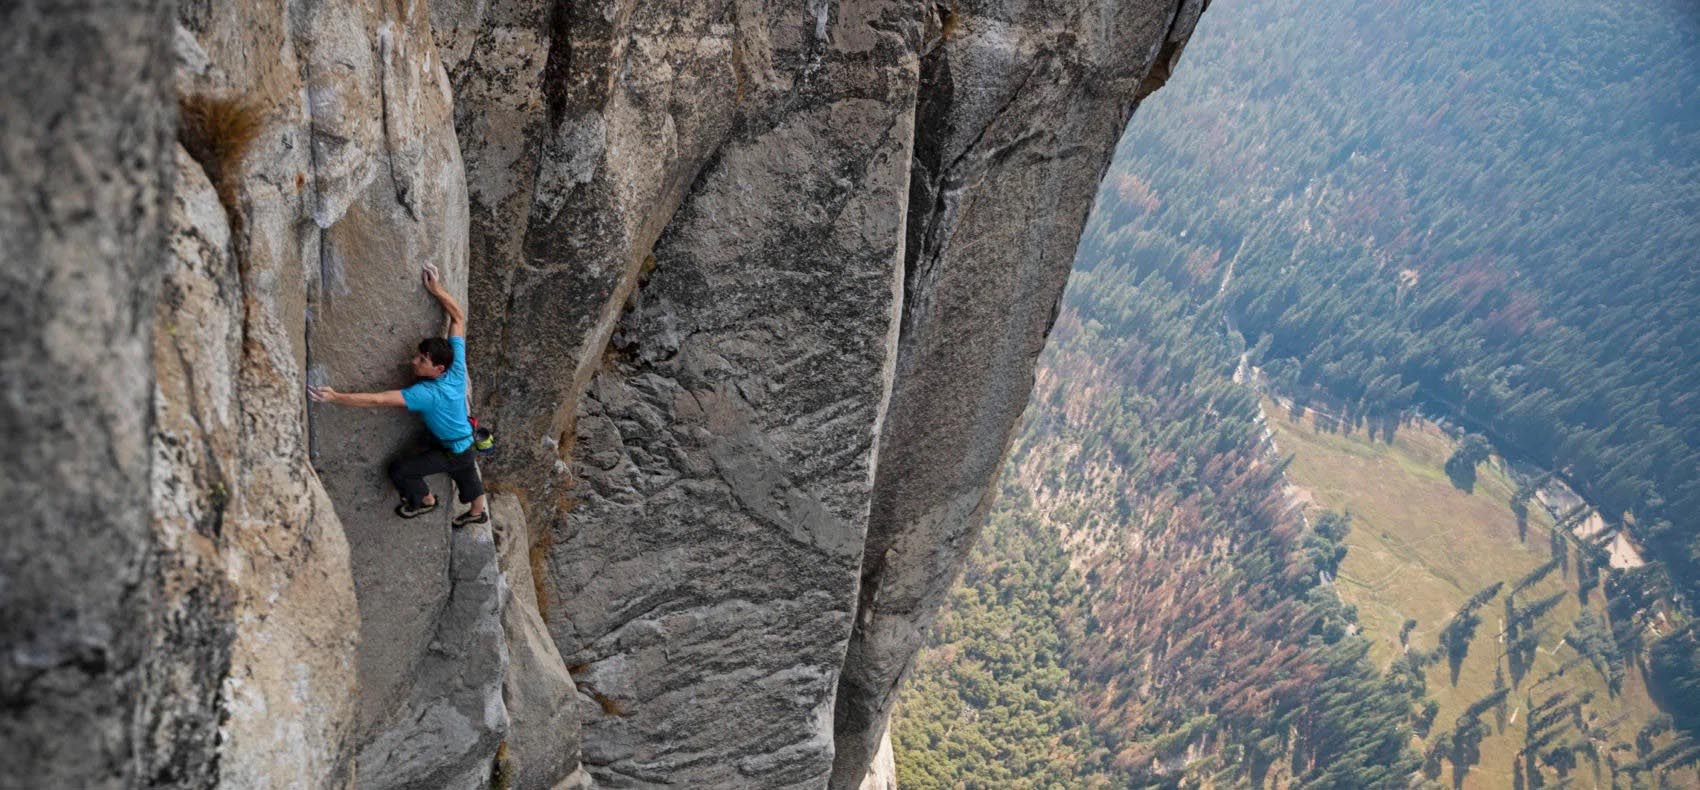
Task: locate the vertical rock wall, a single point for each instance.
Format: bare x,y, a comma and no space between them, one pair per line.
196,345
1021,106
583,125
543,739
755,293
445,734
251,554
85,163
882,772
352,183
724,451
390,198
649,206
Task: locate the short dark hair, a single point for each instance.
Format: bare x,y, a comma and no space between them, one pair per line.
439,350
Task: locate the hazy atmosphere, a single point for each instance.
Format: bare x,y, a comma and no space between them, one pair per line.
850,394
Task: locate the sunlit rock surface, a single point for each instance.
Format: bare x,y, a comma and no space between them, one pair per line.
755,293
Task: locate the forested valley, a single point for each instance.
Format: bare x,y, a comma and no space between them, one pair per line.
1483,212
1491,208
1145,596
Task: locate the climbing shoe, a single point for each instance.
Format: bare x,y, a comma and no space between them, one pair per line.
407,511
468,518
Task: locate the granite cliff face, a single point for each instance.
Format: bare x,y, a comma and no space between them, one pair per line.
756,290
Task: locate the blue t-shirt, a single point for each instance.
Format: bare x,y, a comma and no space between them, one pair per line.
442,402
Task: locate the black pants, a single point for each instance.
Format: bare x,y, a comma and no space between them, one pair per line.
408,473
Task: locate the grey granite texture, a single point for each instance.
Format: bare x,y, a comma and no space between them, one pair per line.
85,184
542,702
1021,106
755,288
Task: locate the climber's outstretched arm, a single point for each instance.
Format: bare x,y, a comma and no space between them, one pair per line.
367,399
457,316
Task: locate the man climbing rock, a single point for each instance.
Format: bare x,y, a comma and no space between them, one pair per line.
439,397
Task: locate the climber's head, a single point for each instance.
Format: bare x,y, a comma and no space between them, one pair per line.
434,357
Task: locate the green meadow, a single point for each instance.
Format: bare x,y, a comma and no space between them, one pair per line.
1419,547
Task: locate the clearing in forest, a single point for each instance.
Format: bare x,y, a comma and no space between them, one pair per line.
1420,547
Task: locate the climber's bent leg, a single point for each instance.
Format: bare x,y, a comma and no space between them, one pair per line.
408,474
463,468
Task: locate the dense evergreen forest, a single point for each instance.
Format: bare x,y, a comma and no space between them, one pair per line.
1489,210
998,705
1146,604
1484,208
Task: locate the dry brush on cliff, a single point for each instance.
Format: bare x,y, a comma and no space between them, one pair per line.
856,214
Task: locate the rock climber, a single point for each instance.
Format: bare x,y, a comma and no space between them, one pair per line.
439,397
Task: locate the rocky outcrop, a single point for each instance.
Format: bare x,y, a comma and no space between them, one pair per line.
352,183
1021,106
724,450
756,292
583,127
543,738
197,348
250,552
445,735
644,317
882,771
85,163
